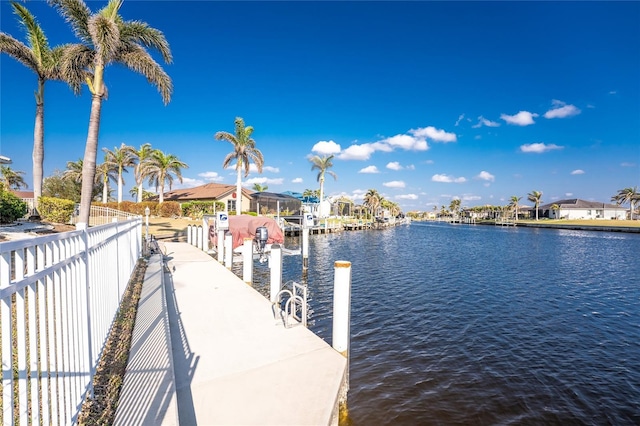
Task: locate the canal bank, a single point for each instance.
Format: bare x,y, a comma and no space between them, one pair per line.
233,362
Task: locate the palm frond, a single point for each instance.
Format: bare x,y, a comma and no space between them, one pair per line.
77,14
138,32
139,60
18,51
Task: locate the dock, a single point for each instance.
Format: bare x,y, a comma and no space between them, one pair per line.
234,363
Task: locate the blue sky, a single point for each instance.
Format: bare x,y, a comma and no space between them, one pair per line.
423,101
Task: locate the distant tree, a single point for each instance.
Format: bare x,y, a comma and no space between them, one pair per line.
146,195
45,62
104,174
556,210
108,39
119,159
322,164
12,179
454,206
514,203
372,200
536,198
161,168
244,152
627,195
143,155
259,188
311,193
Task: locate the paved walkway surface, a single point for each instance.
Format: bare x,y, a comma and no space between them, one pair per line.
235,364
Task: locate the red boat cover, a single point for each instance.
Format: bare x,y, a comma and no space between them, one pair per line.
244,226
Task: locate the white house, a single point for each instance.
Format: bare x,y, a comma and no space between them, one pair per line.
581,209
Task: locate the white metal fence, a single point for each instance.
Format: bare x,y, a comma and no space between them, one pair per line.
101,215
59,295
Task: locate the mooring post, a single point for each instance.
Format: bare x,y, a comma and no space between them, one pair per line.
228,249
305,249
342,319
189,234
275,264
220,247
194,236
247,261
199,240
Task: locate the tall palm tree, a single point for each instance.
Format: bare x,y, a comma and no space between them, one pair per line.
627,195
105,173
12,178
45,62
322,164
119,159
244,151
259,188
142,158
556,210
454,206
514,203
536,198
108,39
372,200
161,168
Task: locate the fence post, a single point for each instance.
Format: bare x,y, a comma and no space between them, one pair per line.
220,245
199,243
189,234
247,261
275,264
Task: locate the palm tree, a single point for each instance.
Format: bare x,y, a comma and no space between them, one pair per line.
119,159
45,62
108,39
556,210
146,195
454,206
160,169
372,200
536,198
322,164
244,151
74,174
12,178
627,195
142,157
259,188
514,203
105,173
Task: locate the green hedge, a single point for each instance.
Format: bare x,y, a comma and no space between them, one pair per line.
56,210
11,206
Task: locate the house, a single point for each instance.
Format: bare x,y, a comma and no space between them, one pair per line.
269,203
580,209
212,192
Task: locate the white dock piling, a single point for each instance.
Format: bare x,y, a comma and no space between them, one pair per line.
200,237
189,234
220,245
275,264
247,261
305,249
228,250
341,306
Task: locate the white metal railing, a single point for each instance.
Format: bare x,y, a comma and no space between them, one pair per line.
59,295
101,215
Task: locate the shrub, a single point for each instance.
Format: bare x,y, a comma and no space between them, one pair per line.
196,209
168,209
57,210
11,207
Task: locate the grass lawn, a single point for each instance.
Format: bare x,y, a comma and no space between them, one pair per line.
163,227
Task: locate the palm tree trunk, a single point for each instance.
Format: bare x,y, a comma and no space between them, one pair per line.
321,195
139,190
38,152
105,190
89,161
119,185
239,188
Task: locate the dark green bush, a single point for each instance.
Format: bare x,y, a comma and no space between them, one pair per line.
56,210
11,207
196,209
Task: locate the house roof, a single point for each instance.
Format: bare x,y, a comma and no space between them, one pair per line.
22,194
209,191
270,195
576,203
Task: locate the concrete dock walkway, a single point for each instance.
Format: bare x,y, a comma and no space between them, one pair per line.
234,363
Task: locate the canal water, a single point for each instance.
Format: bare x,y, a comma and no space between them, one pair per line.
484,325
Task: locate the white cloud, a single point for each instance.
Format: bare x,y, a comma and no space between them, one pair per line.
188,183
254,169
561,110
210,176
460,117
437,135
467,197
577,172
394,184
406,142
522,118
406,197
486,176
568,194
357,152
410,167
484,122
538,148
447,179
626,164
326,148
296,180
262,181
394,165
369,169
